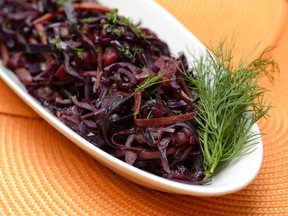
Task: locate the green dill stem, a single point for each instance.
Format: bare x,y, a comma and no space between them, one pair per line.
150,81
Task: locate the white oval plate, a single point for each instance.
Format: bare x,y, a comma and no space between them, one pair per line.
234,177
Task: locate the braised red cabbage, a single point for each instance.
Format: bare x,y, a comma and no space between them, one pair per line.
108,79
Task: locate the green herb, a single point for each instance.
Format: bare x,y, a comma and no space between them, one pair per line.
129,22
150,115
113,18
110,93
178,112
131,54
150,81
56,42
70,100
231,101
89,19
79,51
118,31
59,44
61,3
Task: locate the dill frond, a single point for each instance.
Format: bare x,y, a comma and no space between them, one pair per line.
231,102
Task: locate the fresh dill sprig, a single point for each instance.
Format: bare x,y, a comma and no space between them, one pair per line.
150,81
231,101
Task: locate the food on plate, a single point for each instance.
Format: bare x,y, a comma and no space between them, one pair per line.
116,84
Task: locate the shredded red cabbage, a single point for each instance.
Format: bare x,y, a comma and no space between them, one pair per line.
109,80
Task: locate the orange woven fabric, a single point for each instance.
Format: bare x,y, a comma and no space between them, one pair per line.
43,173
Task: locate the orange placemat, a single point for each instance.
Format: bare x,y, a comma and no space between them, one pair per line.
42,173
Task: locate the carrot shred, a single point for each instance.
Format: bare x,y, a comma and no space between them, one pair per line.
137,105
43,19
165,120
5,54
41,33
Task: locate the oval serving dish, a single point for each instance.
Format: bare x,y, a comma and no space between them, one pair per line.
234,177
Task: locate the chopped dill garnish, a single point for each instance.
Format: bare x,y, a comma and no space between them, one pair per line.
89,19
79,51
56,42
59,44
61,3
131,53
150,115
119,32
113,18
